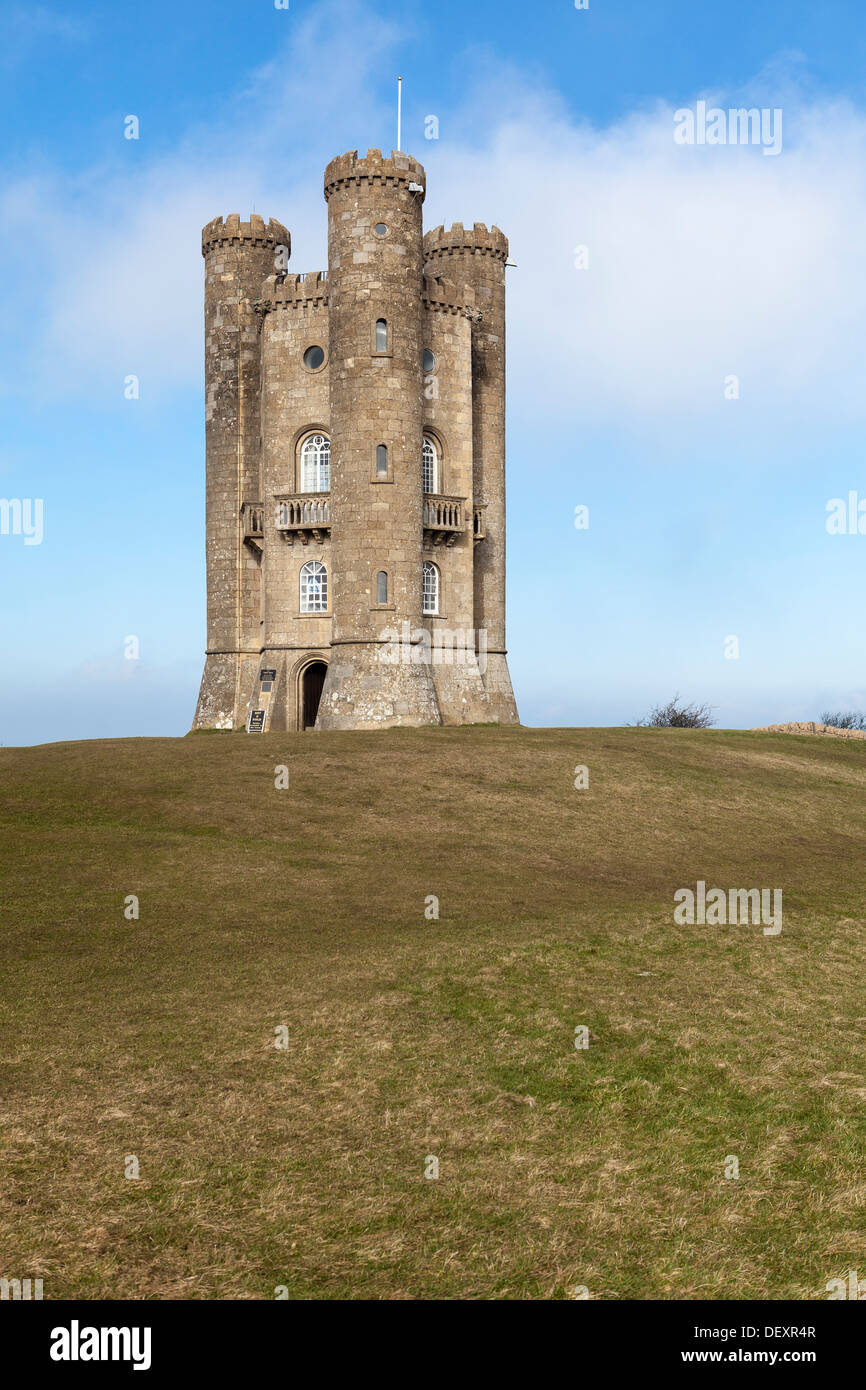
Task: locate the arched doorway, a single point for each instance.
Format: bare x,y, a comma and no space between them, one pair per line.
312,680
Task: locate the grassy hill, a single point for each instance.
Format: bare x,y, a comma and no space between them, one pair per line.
410,1036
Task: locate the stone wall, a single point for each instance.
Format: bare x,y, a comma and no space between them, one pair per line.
295,404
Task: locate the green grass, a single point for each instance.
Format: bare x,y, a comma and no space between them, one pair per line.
412,1037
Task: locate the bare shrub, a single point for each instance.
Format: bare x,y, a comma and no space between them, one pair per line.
677,715
844,719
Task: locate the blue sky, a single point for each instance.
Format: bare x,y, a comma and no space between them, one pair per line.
707,514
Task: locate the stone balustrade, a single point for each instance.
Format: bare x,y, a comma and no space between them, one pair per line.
443,518
303,514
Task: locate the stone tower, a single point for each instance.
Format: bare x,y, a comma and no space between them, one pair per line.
238,255
356,467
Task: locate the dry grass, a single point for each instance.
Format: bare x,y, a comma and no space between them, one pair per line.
411,1037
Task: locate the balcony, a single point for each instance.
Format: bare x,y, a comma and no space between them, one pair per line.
303,514
253,520
307,515
443,519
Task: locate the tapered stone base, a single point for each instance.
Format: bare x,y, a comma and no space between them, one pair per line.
460,691
226,689
364,690
497,683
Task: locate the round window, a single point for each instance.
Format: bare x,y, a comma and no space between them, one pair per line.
381,229
314,357
428,361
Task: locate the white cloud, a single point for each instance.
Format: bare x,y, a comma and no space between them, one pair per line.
703,262
120,288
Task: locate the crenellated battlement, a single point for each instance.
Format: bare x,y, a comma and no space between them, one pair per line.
223,231
399,169
294,292
479,239
443,299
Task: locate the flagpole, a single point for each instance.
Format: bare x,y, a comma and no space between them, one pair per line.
399,109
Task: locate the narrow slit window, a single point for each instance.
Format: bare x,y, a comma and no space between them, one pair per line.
381,335
381,460
381,587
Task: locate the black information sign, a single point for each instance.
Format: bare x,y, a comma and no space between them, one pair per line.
267,675
257,721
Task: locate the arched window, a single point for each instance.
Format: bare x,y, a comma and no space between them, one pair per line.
314,587
316,464
429,465
381,335
429,588
381,460
381,587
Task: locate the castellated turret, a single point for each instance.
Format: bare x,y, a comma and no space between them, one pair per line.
356,467
238,255
473,262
